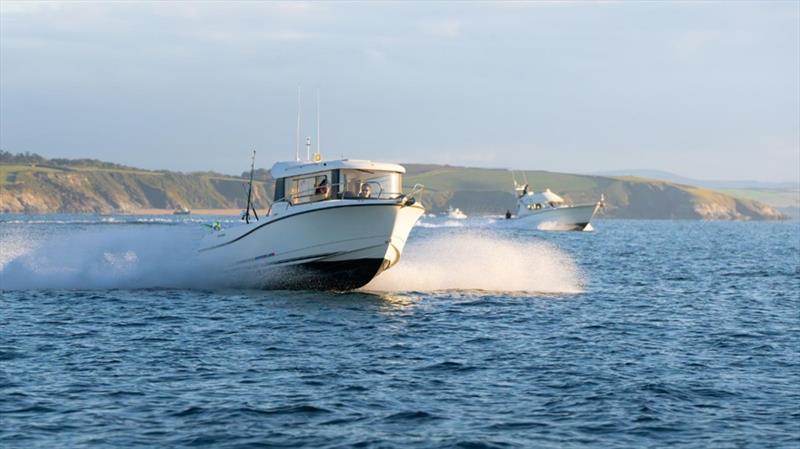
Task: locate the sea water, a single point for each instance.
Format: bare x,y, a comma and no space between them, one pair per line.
639,334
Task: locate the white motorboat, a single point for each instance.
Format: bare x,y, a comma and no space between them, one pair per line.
548,211
334,225
456,213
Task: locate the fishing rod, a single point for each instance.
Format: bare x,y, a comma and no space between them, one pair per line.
250,205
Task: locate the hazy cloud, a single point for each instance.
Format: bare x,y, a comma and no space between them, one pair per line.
448,27
706,89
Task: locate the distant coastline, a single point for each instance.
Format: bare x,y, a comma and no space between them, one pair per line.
33,184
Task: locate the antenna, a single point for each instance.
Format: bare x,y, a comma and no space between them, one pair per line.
318,150
308,148
297,136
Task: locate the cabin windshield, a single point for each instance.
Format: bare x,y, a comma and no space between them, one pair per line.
369,184
341,184
308,188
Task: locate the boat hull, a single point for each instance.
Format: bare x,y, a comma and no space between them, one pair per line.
570,218
337,276
340,245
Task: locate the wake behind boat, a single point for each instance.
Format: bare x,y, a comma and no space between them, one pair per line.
334,225
456,213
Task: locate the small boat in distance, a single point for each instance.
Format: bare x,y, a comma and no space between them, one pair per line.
549,212
456,213
181,211
334,225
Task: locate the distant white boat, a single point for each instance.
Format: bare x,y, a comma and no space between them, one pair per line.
456,213
549,212
181,211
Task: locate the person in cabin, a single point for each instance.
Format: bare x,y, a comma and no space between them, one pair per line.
321,190
365,192
322,187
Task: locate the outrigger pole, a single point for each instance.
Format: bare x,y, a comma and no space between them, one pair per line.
250,205
297,134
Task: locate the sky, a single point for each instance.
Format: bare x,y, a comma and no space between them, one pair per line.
709,90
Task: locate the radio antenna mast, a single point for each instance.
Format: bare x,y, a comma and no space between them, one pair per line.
297,135
318,142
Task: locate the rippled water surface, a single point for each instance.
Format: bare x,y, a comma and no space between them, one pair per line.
640,334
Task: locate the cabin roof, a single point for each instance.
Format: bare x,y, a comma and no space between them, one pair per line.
292,168
545,197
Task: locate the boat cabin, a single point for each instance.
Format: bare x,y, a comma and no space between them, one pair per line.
308,182
535,201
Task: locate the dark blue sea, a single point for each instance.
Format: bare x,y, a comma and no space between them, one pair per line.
638,334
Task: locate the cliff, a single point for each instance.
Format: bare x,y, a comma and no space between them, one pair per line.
488,191
34,189
93,186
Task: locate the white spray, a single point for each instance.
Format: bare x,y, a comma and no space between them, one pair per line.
481,261
165,256
101,258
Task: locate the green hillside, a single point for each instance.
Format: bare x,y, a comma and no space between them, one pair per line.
49,188
479,190
30,183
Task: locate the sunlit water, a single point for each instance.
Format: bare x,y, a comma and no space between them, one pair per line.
640,334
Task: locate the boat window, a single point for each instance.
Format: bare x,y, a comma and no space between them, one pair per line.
280,189
308,189
365,184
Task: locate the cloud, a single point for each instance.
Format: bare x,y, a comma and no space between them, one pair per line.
697,40
447,27
594,84
375,54
28,8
